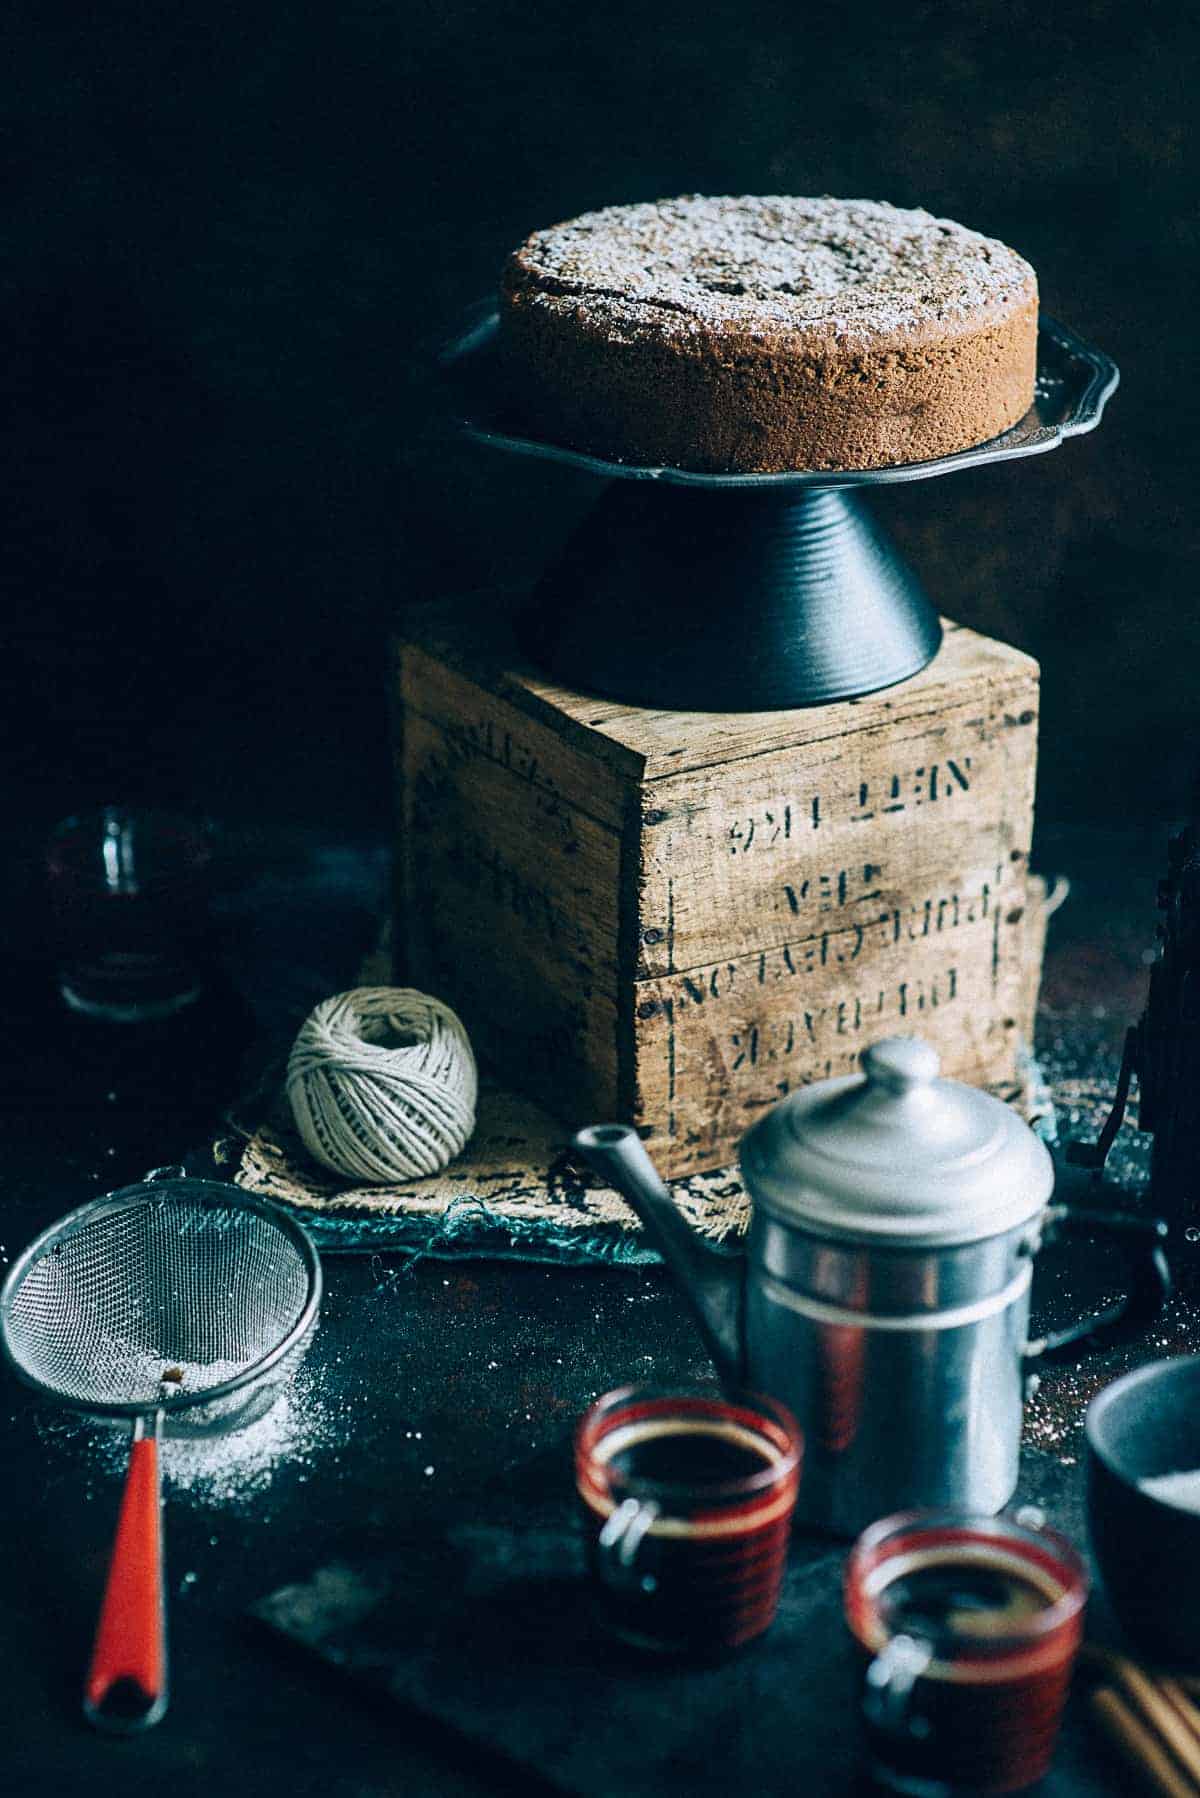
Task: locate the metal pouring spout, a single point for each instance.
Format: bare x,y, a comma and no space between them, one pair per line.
712,1280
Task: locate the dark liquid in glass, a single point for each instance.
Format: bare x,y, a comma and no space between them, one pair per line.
708,1457
129,901
986,1709
707,1573
942,1603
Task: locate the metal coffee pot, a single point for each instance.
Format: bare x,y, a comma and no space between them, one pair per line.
884,1292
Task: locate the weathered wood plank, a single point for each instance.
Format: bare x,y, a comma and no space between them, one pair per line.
480,841
482,725
717,1045
765,851
675,917
509,909
475,640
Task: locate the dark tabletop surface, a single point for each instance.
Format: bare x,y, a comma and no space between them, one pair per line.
434,1394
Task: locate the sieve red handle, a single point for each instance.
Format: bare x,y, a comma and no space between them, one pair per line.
126,1687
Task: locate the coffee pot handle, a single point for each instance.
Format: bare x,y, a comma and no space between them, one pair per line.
1141,1240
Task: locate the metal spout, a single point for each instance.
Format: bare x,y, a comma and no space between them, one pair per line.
712,1280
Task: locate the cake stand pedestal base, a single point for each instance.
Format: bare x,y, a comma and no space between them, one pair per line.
753,592
742,599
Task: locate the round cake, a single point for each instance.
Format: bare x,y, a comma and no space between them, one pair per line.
758,334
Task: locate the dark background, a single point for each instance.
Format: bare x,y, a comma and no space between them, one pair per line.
231,232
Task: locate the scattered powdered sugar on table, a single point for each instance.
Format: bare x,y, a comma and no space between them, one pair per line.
230,1470
226,1469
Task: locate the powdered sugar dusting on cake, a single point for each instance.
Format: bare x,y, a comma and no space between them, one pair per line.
842,265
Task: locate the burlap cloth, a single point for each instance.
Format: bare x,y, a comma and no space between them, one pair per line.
516,1192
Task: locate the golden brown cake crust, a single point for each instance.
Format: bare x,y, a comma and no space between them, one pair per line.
759,334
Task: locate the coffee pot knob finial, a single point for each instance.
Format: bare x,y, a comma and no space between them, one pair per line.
900,1064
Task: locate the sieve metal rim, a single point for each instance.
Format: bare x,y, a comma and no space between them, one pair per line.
213,1194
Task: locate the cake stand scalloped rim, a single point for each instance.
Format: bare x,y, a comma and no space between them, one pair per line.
1095,374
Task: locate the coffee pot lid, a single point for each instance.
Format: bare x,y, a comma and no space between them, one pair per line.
896,1154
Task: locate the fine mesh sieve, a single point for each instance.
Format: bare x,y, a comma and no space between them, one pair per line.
184,1302
187,1277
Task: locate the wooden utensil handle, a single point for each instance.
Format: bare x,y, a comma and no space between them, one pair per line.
1141,1747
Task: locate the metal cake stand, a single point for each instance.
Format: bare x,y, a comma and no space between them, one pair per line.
745,592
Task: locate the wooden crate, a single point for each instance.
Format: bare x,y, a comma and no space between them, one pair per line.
674,918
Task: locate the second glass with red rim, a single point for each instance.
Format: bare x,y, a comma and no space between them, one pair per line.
966,1631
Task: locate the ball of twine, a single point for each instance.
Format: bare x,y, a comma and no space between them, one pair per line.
382,1084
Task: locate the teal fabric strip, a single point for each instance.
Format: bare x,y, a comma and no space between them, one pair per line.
469,1229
